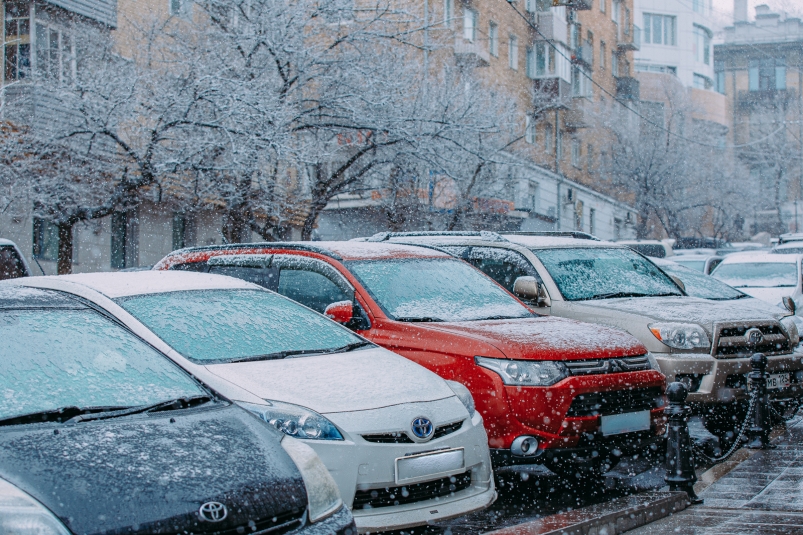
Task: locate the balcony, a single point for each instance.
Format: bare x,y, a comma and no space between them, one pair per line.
471,54
629,38
579,5
584,54
627,88
551,27
551,93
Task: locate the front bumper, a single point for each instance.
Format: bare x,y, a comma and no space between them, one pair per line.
718,377
358,465
340,523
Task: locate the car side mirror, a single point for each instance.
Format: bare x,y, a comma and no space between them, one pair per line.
529,289
789,303
678,282
341,312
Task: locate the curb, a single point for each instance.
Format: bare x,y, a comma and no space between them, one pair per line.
609,518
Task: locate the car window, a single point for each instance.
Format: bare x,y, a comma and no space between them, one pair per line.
603,273
435,290
57,358
701,285
311,289
697,265
215,326
501,265
266,277
757,274
649,249
11,266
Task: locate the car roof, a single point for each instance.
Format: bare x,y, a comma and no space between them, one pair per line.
558,241
743,258
14,295
124,284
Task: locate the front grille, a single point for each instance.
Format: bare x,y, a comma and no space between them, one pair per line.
616,402
391,496
603,366
400,437
275,525
730,340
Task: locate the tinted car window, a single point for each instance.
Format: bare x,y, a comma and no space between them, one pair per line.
11,266
310,289
703,286
757,274
266,277
603,273
214,326
57,358
649,249
435,290
501,265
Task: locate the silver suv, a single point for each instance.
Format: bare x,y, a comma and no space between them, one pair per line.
705,344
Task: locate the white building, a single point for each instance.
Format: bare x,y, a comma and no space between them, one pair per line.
676,39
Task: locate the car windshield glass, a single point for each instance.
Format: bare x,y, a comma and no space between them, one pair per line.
215,326
603,273
697,265
435,290
649,249
56,358
757,274
704,286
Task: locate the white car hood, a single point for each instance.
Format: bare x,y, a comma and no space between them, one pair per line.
342,382
770,295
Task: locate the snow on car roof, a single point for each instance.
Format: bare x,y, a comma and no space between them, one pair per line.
118,284
351,250
743,258
557,241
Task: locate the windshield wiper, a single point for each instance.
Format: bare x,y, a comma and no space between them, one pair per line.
56,415
421,319
348,347
614,295
169,405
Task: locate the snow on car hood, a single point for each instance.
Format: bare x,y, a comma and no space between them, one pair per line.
679,309
770,295
547,338
342,382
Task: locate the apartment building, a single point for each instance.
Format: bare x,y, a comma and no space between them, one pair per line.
759,70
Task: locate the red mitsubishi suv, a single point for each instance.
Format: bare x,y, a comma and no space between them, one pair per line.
573,396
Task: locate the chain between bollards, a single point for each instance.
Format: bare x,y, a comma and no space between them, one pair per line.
758,434
680,474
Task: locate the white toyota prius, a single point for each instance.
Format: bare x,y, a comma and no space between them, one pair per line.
405,446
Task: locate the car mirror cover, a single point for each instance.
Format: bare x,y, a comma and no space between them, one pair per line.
526,288
341,311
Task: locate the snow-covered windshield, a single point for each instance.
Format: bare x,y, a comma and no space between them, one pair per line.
757,274
216,326
697,265
51,359
704,286
435,290
604,273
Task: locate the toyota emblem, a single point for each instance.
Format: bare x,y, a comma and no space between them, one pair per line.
213,512
422,428
754,337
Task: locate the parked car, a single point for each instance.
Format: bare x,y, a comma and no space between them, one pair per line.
654,248
704,263
566,394
12,261
404,446
697,341
769,277
100,433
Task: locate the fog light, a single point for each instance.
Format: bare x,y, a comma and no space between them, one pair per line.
525,446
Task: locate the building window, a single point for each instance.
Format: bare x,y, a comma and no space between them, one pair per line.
719,77
659,29
548,135
543,5
701,46
529,129
180,8
513,52
702,82
766,74
55,53
544,59
448,12
529,62
576,153
615,9
614,63
592,220
578,216
17,46
470,24
698,6
590,156
603,55
602,5
493,39
45,240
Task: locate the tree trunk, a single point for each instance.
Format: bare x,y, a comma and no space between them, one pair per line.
64,264
235,227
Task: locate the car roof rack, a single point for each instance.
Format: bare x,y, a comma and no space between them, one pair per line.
483,234
790,237
293,246
557,234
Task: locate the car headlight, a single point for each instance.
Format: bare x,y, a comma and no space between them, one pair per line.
22,515
464,396
295,421
525,372
322,493
681,335
789,324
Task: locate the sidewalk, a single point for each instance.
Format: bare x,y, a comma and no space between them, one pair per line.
761,495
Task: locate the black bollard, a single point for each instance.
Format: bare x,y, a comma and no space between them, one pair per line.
679,455
758,434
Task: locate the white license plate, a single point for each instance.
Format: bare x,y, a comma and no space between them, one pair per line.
776,381
629,422
427,466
